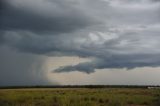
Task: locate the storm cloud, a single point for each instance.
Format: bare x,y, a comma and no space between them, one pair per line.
42,16
111,33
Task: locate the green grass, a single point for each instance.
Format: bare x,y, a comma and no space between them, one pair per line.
80,97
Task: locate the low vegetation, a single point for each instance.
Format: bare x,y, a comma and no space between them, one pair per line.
80,97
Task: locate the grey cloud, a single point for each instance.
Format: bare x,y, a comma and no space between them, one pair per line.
113,36
55,16
128,62
83,67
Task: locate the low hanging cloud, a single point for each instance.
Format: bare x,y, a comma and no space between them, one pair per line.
112,33
118,62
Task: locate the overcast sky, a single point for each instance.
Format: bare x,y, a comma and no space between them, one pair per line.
79,42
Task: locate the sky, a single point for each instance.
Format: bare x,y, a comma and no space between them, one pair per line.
79,42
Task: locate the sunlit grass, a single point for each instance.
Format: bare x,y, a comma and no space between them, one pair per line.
80,97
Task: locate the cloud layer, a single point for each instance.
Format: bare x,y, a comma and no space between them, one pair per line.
112,33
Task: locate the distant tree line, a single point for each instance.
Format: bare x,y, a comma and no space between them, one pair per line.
79,86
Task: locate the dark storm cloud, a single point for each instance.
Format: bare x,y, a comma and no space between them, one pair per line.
1,38
113,33
114,62
52,16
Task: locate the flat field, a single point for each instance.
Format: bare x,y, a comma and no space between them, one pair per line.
80,97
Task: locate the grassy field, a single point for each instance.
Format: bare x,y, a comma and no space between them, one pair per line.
80,97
